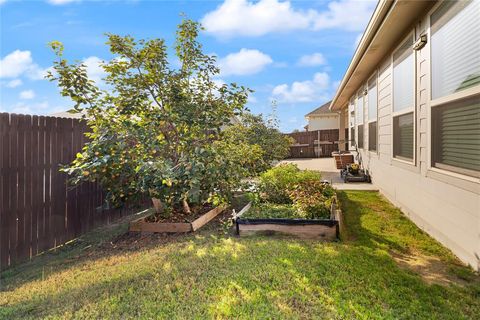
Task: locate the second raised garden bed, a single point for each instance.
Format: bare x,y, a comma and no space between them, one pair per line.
145,226
323,229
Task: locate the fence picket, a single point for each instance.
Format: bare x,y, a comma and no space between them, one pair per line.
4,189
37,210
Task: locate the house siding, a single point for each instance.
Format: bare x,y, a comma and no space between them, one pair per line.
443,207
325,122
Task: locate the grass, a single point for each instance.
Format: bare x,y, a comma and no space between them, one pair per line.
213,275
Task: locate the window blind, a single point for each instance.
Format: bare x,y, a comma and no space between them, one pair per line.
403,77
359,109
455,46
456,136
372,136
403,136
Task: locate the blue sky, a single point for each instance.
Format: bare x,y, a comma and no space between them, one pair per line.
292,52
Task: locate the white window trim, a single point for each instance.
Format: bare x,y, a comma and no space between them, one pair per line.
374,76
464,181
360,93
413,109
351,102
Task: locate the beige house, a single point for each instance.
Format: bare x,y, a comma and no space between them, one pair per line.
322,118
411,100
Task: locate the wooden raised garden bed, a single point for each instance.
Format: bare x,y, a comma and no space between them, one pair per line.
142,225
324,229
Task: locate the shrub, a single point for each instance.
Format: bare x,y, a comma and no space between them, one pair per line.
272,211
276,183
287,184
313,198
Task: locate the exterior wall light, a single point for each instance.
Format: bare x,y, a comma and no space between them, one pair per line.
420,42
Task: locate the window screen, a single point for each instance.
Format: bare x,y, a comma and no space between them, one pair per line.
403,136
403,77
455,47
456,137
360,136
372,99
372,136
359,109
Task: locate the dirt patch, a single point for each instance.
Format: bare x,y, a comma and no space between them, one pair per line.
179,216
132,241
431,269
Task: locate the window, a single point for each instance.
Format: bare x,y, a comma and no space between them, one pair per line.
360,136
455,33
403,136
359,116
372,136
404,102
351,109
372,114
456,137
455,67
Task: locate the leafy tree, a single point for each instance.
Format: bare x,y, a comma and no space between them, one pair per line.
253,130
157,129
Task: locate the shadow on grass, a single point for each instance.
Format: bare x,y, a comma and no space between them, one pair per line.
244,278
101,243
354,211
209,275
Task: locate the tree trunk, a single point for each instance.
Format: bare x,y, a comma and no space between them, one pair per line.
158,205
186,207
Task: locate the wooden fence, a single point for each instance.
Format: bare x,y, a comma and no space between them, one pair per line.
313,144
37,209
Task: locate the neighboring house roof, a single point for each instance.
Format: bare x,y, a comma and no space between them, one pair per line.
388,25
323,109
68,114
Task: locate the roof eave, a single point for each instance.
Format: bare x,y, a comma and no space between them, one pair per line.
376,42
378,15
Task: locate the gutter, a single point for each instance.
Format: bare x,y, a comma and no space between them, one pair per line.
381,11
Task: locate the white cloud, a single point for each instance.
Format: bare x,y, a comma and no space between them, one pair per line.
14,83
2,2
61,2
311,60
357,40
304,91
32,108
252,98
15,64
244,62
95,71
219,82
37,73
19,63
245,18
351,15
27,94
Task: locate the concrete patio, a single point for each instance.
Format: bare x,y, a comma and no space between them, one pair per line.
330,173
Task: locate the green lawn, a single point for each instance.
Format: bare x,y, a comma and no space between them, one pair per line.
384,268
